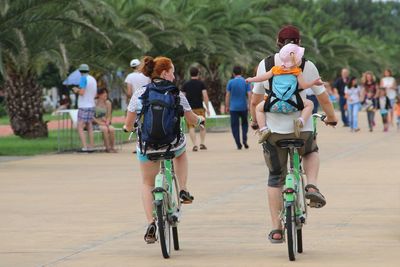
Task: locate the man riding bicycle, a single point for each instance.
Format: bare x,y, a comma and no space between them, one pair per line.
281,126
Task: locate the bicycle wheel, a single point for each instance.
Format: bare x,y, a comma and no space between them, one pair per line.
291,232
176,205
299,241
164,229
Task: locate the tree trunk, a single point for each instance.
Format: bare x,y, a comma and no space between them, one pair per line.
215,92
25,105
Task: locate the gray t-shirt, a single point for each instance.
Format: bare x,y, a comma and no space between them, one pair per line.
280,122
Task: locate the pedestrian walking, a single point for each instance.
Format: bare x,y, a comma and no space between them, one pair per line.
136,79
353,97
389,83
237,99
370,106
196,93
384,107
339,86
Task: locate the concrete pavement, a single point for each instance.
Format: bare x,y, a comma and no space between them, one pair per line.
85,209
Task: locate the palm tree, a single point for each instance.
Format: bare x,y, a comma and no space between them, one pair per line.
33,33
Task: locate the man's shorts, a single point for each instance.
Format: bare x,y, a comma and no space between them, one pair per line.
276,158
199,112
86,114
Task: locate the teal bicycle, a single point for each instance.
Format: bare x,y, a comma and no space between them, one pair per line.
167,205
294,212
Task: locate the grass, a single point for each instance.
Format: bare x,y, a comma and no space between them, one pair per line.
16,146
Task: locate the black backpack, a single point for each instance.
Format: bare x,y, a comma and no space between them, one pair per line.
159,120
273,98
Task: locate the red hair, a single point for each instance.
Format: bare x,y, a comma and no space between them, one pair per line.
154,67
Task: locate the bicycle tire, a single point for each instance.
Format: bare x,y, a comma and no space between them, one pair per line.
175,237
299,241
291,232
177,206
164,230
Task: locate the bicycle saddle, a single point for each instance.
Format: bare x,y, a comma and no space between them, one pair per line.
285,143
161,156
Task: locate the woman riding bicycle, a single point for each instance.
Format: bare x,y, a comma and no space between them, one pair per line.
161,71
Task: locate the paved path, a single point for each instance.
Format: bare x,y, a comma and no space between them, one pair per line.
85,210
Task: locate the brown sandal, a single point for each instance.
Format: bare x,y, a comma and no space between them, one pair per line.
317,200
202,147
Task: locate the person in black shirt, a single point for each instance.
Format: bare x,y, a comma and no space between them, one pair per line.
196,92
339,86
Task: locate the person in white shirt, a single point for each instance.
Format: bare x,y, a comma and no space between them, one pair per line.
389,83
87,92
353,97
281,126
136,79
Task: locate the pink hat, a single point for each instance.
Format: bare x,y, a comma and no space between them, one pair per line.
286,52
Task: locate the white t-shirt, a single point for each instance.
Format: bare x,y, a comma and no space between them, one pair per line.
280,122
89,84
354,94
137,80
389,82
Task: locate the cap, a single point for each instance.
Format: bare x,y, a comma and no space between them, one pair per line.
286,52
84,68
135,62
288,32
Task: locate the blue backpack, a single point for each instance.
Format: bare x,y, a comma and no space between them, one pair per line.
159,121
284,94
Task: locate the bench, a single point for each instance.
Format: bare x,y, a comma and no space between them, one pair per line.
67,133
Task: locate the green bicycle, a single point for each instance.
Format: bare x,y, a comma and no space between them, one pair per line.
167,205
294,212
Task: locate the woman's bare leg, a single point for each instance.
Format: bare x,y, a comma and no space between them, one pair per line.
149,171
181,170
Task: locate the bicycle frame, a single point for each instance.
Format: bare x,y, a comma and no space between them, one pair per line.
293,193
164,186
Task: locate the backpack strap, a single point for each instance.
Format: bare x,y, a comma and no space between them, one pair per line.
269,63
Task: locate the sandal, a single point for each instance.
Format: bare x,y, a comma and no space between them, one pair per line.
317,200
150,235
275,240
195,148
202,147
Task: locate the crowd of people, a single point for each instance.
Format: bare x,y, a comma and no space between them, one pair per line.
370,95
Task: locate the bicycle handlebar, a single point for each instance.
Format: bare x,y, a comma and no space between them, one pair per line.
322,117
